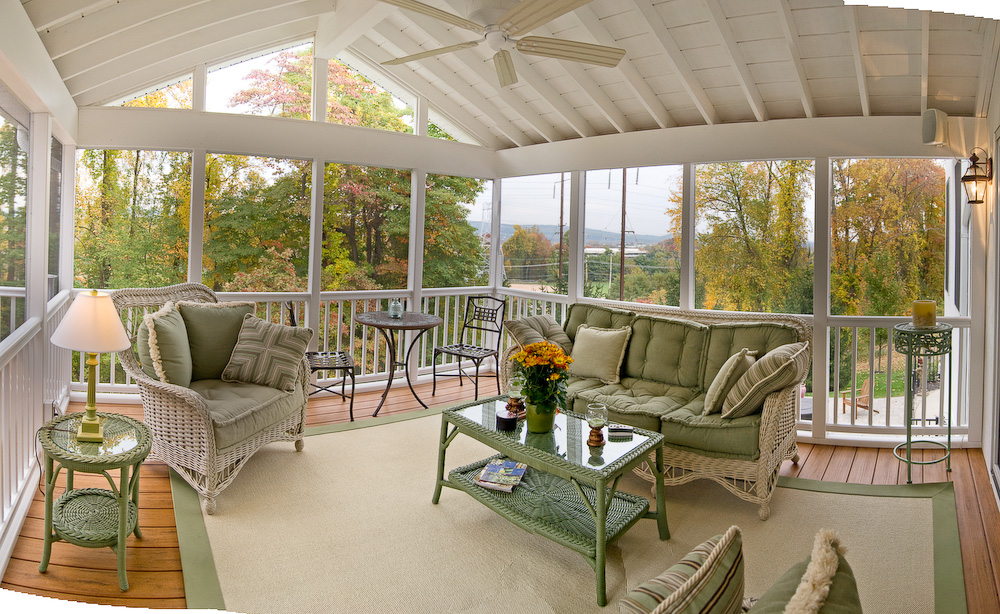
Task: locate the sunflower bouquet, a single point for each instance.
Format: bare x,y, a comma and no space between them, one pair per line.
543,365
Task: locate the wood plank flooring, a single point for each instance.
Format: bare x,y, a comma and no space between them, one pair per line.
83,574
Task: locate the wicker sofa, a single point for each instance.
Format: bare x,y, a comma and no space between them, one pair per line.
207,431
670,361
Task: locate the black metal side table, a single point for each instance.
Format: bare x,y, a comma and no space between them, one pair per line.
93,517
921,341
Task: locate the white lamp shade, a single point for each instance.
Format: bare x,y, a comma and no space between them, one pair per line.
92,324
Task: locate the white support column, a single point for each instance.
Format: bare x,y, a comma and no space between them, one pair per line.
496,256
821,296
199,86
577,198
415,257
196,225
420,116
688,219
316,251
67,221
36,227
320,88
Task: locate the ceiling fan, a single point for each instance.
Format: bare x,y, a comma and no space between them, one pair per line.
503,25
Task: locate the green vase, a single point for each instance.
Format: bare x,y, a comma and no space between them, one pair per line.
540,417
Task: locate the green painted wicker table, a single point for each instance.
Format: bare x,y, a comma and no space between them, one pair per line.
93,517
569,493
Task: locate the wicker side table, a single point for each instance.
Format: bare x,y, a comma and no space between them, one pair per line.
93,517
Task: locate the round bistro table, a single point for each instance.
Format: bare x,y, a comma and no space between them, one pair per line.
93,517
388,327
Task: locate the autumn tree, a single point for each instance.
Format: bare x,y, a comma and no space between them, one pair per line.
526,253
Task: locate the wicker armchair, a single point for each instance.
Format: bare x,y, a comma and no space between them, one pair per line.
183,434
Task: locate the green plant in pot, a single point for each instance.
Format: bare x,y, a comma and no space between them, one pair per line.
543,366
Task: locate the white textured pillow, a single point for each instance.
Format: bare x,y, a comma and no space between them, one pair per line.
731,371
599,352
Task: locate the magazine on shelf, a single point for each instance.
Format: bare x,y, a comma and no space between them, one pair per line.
501,474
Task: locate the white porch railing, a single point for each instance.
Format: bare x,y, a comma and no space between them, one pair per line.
12,304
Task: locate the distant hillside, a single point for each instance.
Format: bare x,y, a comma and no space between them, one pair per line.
594,237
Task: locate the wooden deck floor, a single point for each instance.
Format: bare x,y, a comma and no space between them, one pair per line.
88,575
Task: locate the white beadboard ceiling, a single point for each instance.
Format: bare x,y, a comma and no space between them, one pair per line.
687,62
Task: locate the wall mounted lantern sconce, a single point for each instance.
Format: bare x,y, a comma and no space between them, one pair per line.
977,177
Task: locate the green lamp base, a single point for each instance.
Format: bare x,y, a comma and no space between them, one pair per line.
90,429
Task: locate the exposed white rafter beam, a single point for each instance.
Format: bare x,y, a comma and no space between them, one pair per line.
635,81
337,30
436,30
854,36
736,59
987,67
677,61
49,14
548,93
925,44
791,32
373,54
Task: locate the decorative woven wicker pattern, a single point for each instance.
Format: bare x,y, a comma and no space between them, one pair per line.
89,517
914,341
183,436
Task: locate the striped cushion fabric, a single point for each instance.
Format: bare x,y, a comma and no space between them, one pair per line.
709,580
267,354
779,368
730,373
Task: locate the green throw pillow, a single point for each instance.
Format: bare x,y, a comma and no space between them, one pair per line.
538,328
268,354
779,368
167,340
212,332
732,370
599,352
142,351
709,580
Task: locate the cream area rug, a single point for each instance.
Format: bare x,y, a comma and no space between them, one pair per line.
348,525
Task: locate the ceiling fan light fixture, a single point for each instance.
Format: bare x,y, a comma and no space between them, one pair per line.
505,68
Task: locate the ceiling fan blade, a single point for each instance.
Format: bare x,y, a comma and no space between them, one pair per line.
505,68
430,11
431,53
529,14
588,53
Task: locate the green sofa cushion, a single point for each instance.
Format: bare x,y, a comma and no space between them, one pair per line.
666,350
843,597
167,345
779,368
533,329
593,315
213,329
142,351
731,372
726,339
240,410
268,354
640,403
600,352
712,435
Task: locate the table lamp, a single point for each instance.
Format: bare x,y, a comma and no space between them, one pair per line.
91,325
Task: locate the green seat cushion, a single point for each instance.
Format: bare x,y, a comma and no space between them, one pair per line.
843,597
240,411
213,329
709,580
666,350
640,403
724,340
593,315
712,435
167,345
533,329
779,368
599,352
268,354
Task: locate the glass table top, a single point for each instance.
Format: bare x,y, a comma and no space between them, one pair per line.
567,440
121,435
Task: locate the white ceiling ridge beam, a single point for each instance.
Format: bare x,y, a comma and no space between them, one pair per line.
676,60
46,14
854,35
548,93
338,30
371,53
737,60
987,67
109,22
171,65
137,60
183,25
463,89
643,92
792,41
925,44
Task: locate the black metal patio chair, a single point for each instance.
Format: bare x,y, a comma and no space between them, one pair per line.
337,361
482,313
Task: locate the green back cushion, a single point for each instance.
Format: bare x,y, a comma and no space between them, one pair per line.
167,345
724,340
733,369
142,351
779,368
599,352
213,329
592,315
533,329
709,580
842,599
267,354
666,350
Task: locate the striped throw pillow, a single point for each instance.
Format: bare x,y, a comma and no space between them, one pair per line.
779,368
709,580
267,354
728,375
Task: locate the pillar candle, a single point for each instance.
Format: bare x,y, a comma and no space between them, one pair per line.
924,314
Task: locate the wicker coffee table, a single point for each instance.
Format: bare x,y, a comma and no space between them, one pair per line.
569,493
